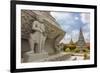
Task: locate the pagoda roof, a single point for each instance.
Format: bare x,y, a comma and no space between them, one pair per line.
71,41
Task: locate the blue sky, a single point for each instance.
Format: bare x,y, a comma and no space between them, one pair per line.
71,22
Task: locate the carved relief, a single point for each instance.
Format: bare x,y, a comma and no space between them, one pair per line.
40,35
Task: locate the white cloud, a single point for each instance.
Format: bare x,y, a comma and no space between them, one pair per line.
75,35
86,28
66,38
86,36
61,15
71,23
76,18
85,17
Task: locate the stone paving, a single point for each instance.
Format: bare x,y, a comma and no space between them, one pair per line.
58,57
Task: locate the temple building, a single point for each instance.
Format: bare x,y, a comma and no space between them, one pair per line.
81,44
71,45
71,42
40,35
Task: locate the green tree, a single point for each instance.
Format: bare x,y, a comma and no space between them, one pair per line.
86,50
86,56
72,47
67,50
76,50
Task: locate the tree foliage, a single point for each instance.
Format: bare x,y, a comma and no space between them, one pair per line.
76,50
67,50
85,50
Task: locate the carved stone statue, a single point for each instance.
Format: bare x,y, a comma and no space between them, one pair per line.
37,39
58,46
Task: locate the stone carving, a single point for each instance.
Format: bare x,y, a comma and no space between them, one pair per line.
40,35
26,24
37,39
58,46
